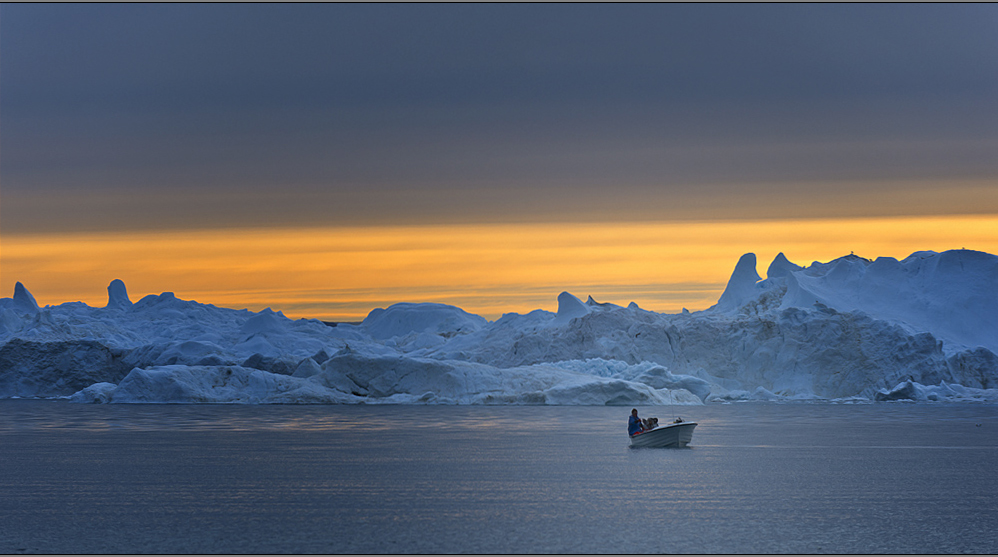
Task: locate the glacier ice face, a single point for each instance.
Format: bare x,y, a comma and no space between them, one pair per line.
462,382
951,295
210,384
924,328
913,391
59,367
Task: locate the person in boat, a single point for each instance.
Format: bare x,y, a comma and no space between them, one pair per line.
634,425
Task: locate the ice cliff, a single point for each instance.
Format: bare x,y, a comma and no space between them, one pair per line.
923,328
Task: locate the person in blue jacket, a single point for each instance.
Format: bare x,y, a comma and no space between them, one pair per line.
634,425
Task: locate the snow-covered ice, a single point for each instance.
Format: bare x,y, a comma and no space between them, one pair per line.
923,328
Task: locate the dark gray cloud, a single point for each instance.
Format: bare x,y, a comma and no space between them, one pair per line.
205,115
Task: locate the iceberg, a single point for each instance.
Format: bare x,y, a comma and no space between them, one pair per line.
23,301
912,391
924,329
117,295
403,319
741,286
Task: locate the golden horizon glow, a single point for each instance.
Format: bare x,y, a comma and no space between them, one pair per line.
341,273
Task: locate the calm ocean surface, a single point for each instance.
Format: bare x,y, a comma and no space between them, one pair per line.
758,478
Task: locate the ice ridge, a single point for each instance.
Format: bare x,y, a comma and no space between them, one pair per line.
923,328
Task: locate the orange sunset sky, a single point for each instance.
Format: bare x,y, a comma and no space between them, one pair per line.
326,160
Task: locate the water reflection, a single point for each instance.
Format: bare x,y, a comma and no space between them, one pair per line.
767,478
24,414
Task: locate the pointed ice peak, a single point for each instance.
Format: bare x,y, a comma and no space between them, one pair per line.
570,307
781,267
117,295
23,300
741,285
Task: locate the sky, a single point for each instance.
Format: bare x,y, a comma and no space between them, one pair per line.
328,159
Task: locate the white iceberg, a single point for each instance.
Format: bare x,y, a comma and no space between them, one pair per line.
924,328
943,392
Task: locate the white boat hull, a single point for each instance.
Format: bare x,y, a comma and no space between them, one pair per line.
668,435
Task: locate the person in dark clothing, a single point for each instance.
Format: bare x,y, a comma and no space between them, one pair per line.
634,425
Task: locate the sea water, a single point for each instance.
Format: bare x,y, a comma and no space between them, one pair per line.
757,478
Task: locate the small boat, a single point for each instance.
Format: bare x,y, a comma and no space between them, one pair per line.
677,434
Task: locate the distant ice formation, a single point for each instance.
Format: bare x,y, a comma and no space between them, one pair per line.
117,295
23,300
741,286
921,329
